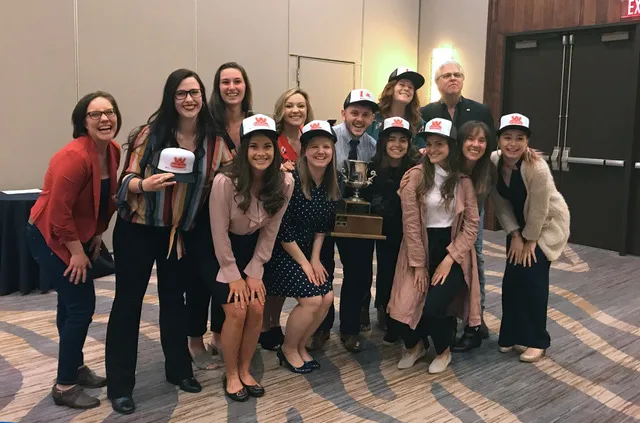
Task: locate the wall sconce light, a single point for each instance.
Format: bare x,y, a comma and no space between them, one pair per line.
439,56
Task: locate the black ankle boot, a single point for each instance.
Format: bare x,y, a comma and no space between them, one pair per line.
469,340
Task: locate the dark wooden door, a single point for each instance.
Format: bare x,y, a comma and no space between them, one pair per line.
599,126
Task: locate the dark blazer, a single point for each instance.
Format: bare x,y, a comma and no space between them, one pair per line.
466,110
67,209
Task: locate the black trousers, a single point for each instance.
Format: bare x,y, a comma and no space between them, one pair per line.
204,270
525,294
356,257
435,321
76,304
136,247
327,258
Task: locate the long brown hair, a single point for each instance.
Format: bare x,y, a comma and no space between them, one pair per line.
278,109
272,192
483,175
411,112
448,188
330,179
217,105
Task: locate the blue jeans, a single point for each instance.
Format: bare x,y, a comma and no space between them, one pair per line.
479,255
76,304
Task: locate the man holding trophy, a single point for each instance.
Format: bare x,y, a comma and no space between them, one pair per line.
353,147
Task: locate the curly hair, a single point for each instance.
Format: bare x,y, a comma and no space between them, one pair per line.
412,111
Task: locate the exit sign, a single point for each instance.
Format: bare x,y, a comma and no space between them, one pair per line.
631,9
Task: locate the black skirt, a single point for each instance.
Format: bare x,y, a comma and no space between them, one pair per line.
243,247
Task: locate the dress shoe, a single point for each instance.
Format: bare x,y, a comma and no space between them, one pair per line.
351,343
88,379
241,396
74,397
409,357
282,360
390,338
123,405
518,348
313,364
271,339
255,391
532,355
440,363
318,340
365,321
189,384
469,340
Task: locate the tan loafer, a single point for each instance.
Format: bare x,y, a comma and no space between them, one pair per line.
440,363
531,355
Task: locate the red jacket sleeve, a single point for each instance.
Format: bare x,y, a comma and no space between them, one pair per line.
69,176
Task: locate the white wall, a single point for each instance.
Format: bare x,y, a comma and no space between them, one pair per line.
461,24
79,46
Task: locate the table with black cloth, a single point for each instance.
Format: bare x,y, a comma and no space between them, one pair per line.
18,269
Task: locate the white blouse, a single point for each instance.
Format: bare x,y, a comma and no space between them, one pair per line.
438,216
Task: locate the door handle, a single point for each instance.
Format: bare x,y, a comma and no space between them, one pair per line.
555,163
597,162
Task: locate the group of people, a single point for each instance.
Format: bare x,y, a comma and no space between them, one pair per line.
236,211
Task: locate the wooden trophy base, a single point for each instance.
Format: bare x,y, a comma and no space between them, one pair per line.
363,226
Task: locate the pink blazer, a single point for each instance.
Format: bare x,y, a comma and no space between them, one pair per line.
406,301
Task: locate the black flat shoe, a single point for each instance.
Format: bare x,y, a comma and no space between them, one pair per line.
484,330
271,339
189,384
255,391
282,359
469,340
123,405
240,396
313,364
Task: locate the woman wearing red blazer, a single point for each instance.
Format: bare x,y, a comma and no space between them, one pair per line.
65,233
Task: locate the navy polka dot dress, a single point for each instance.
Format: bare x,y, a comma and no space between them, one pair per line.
283,277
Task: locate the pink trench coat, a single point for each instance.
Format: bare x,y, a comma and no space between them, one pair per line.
406,303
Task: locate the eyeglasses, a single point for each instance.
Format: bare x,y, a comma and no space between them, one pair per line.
449,75
98,114
182,94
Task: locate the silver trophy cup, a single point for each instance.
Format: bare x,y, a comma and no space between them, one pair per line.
355,173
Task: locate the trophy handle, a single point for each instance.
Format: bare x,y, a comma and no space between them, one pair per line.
370,178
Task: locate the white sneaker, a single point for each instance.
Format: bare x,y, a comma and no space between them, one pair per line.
409,357
440,363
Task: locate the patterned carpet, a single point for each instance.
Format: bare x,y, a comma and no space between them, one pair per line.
591,373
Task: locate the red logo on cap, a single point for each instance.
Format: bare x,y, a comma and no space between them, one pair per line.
397,122
261,121
363,94
315,125
436,124
179,163
515,120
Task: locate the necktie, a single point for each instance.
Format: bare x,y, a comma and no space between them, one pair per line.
353,151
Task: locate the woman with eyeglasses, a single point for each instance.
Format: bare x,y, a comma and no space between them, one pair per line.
65,230
157,210
230,103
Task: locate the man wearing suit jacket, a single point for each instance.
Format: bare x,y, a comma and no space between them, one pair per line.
453,106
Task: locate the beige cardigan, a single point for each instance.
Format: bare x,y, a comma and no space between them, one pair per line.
545,211
406,302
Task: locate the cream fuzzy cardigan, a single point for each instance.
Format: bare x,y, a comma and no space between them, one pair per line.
545,212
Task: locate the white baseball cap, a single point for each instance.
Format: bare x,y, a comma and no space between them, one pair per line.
407,73
514,121
361,96
317,128
395,124
443,127
258,124
177,161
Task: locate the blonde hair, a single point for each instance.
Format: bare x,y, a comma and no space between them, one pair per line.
278,109
330,179
411,112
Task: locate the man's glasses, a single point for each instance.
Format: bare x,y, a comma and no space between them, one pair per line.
449,75
182,94
98,114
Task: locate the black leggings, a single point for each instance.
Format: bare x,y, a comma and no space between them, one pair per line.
435,321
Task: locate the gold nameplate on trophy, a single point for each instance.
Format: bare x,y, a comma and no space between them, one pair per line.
353,215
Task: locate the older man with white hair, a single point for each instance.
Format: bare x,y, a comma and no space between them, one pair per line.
453,106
